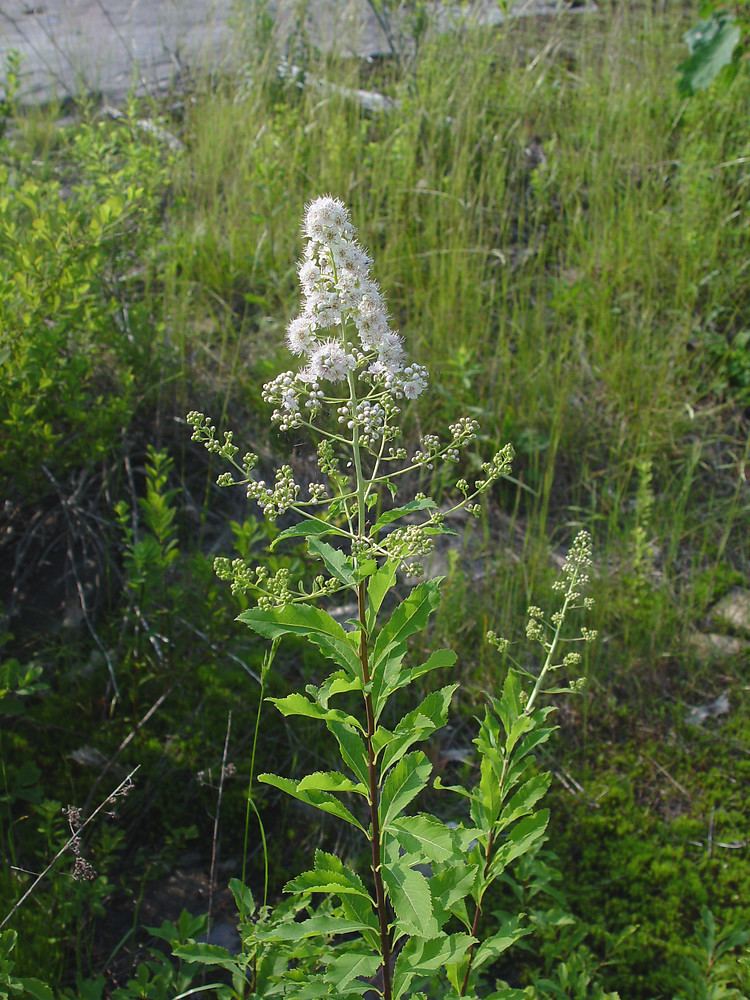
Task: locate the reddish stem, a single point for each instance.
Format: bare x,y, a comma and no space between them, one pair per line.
385,940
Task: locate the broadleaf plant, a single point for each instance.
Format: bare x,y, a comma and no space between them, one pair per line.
419,911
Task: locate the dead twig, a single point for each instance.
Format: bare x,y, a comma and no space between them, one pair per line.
66,846
680,788
126,742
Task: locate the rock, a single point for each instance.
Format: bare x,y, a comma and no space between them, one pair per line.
709,646
698,714
115,47
733,611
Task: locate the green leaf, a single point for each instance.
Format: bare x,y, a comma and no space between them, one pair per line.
409,617
306,529
298,704
330,781
487,800
396,513
365,569
35,988
353,751
322,925
350,965
418,724
334,561
523,724
419,957
310,623
410,897
339,682
440,658
324,801
523,801
450,885
329,875
312,989
712,45
380,583
492,947
243,898
521,838
508,707
206,954
404,782
329,882
427,836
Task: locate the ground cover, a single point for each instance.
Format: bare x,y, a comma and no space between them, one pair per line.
559,233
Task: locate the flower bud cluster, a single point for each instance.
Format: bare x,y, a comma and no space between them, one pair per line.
408,543
205,432
499,642
429,451
274,502
272,588
498,466
368,417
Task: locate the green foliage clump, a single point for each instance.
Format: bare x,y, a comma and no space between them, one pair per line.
77,347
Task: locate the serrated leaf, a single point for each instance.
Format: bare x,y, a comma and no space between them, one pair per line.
450,885
306,529
418,724
312,989
523,801
419,957
322,925
298,704
427,836
487,799
508,706
494,946
353,751
534,739
307,622
324,801
339,682
340,883
206,954
521,838
396,513
351,965
330,781
409,617
334,560
243,898
410,897
381,581
404,782
435,661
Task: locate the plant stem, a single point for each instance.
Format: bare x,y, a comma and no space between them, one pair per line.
477,913
385,941
372,770
268,659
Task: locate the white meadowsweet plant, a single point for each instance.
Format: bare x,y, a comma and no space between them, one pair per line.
415,916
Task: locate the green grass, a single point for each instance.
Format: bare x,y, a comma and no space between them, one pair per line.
561,240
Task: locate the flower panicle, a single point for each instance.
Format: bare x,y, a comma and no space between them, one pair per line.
343,328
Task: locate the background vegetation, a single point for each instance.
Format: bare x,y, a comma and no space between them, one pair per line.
562,238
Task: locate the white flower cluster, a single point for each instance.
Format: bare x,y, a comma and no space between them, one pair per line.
343,326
